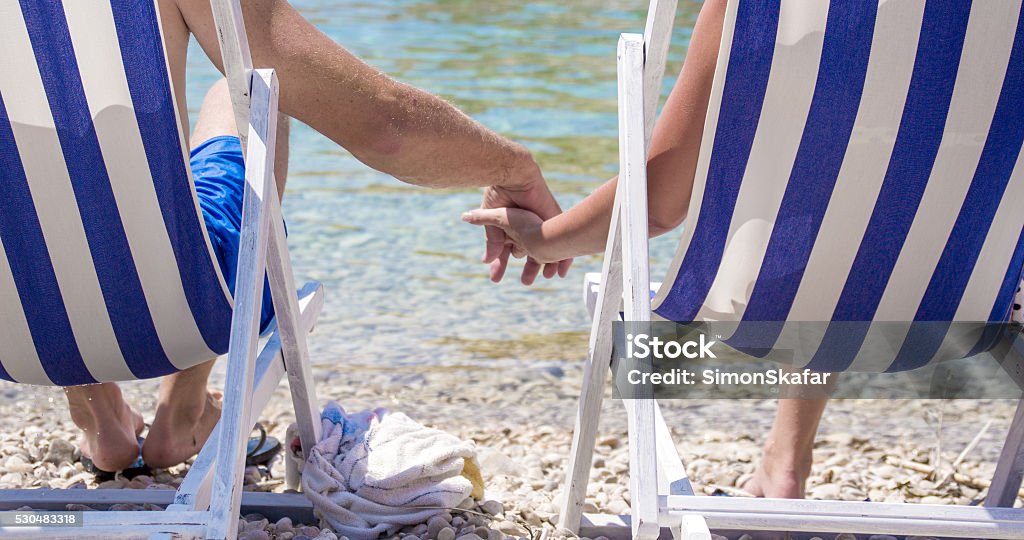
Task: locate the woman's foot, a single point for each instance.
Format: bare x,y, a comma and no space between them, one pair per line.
110,428
179,431
789,484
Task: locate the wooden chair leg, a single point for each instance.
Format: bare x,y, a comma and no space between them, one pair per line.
577,475
643,471
1006,481
259,180
293,338
595,371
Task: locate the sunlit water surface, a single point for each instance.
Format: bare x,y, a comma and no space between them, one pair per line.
401,271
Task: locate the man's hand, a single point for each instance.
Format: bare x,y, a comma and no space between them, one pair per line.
534,196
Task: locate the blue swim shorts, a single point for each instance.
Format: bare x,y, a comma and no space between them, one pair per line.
219,174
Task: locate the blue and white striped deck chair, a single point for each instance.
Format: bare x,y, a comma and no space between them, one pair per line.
860,162
106,272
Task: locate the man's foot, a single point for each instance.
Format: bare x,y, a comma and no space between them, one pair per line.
110,428
179,431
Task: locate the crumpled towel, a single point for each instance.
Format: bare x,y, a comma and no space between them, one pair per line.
371,470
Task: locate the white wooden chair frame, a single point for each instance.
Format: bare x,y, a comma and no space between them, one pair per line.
207,503
661,494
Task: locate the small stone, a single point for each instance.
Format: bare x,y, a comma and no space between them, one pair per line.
434,526
532,518
60,451
881,537
11,479
618,506
494,534
284,535
419,529
76,508
327,534
846,536
492,507
301,537
610,442
125,507
467,504
446,533
482,532
511,528
283,524
16,464
458,521
470,536
254,535
826,492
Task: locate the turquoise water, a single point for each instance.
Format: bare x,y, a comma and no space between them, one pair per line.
404,285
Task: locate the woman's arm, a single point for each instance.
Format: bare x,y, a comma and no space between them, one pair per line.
671,165
673,156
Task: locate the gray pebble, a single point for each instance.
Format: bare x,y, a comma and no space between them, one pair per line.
446,533
492,507
434,526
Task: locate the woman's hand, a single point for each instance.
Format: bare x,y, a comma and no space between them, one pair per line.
532,196
522,231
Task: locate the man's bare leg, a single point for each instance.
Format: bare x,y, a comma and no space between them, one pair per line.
109,425
186,413
186,410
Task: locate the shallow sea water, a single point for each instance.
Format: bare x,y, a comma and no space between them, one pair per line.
402,273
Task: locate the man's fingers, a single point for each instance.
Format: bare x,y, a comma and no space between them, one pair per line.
499,264
530,271
563,267
550,269
495,243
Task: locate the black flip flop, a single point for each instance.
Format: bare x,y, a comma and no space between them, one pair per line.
261,450
137,468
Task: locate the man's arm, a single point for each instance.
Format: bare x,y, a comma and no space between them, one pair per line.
390,126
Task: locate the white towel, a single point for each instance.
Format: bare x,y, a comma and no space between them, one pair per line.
371,471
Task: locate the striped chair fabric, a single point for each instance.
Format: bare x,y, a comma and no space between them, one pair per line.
106,272
861,163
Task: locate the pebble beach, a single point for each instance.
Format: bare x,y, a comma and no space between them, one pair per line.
521,421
